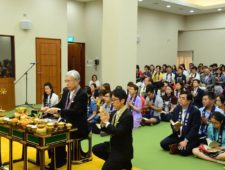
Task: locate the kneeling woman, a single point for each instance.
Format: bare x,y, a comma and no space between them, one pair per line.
216,132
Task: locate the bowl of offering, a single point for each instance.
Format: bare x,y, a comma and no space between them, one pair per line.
68,126
61,125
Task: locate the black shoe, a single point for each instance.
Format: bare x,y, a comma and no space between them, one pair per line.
60,164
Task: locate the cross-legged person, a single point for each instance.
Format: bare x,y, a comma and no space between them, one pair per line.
184,137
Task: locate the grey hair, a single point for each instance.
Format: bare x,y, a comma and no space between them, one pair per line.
73,73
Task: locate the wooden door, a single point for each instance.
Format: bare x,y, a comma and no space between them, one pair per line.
48,68
76,59
185,57
7,93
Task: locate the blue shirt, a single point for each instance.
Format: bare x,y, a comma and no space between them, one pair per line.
214,137
91,107
207,114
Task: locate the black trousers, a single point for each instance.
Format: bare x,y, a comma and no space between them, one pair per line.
175,140
111,162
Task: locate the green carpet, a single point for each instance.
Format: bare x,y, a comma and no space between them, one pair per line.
148,154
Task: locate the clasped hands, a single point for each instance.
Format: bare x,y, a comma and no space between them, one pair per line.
104,117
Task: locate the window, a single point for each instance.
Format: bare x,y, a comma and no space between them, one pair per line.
7,59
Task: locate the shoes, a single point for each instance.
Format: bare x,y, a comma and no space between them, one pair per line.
173,148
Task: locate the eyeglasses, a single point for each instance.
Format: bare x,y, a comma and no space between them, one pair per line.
113,100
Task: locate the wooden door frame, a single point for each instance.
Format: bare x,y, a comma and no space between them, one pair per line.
83,61
60,64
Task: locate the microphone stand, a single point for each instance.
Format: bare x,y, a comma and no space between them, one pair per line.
26,74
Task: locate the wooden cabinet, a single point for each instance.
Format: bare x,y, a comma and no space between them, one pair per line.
7,93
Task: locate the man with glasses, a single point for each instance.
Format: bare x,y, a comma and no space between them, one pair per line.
73,109
185,136
118,152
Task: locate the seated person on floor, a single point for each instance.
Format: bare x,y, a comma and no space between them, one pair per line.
197,93
179,88
169,76
134,103
91,108
208,79
185,129
206,112
180,77
169,103
220,102
49,99
215,150
153,105
119,151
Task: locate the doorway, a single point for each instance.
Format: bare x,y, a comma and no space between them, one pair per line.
76,59
185,57
48,68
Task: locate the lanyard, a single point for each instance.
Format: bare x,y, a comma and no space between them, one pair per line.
220,137
203,127
70,100
152,111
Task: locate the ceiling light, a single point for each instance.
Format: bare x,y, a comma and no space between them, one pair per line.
192,11
140,0
168,6
219,9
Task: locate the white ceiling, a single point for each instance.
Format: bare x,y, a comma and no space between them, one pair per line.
183,7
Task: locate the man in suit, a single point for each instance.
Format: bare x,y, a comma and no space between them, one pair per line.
184,138
118,152
197,93
73,109
208,79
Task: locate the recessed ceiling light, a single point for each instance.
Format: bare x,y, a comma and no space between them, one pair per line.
219,9
140,0
168,6
192,11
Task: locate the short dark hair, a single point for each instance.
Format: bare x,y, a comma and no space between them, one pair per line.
197,80
211,95
129,83
94,75
107,92
194,67
148,67
107,86
94,85
150,88
120,93
218,116
189,95
119,87
134,86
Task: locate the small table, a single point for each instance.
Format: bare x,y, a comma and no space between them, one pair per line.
40,142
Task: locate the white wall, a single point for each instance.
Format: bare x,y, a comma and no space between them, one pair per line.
93,36
49,18
205,35
75,20
85,24
158,34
